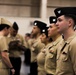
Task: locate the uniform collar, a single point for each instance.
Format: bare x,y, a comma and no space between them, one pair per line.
57,40
70,38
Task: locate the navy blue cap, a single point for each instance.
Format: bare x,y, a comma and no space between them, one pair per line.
52,19
45,31
41,25
15,26
64,11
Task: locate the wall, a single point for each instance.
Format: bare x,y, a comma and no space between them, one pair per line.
52,4
30,8
24,12
19,8
25,24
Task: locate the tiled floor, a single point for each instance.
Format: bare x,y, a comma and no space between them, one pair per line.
24,68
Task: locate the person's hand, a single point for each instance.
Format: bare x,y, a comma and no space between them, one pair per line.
13,71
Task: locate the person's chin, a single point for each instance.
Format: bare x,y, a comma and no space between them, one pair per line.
58,31
48,35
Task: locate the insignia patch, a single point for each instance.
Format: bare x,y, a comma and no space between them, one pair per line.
43,30
59,11
54,20
35,23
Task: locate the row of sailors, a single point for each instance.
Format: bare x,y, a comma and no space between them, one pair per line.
50,53
43,47
57,55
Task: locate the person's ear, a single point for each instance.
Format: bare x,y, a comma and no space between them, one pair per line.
70,21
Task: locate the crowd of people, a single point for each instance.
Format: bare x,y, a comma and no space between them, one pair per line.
48,50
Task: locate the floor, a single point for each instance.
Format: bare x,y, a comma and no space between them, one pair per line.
24,69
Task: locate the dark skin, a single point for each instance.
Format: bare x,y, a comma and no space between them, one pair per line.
13,32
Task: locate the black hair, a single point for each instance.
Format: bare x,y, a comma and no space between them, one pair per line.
2,26
71,16
28,34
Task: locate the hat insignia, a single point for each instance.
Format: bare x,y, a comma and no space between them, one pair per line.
54,20
35,23
43,30
59,11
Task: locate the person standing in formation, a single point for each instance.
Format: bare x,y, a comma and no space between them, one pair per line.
41,56
36,45
66,52
51,53
5,64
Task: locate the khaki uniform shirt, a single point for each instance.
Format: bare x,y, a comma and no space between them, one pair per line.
50,59
30,43
41,60
4,69
15,53
66,57
36,48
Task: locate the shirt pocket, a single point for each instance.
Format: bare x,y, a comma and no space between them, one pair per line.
51,55
64,56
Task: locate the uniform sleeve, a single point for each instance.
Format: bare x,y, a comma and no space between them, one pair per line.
3,44
38,46
30,44
73,56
